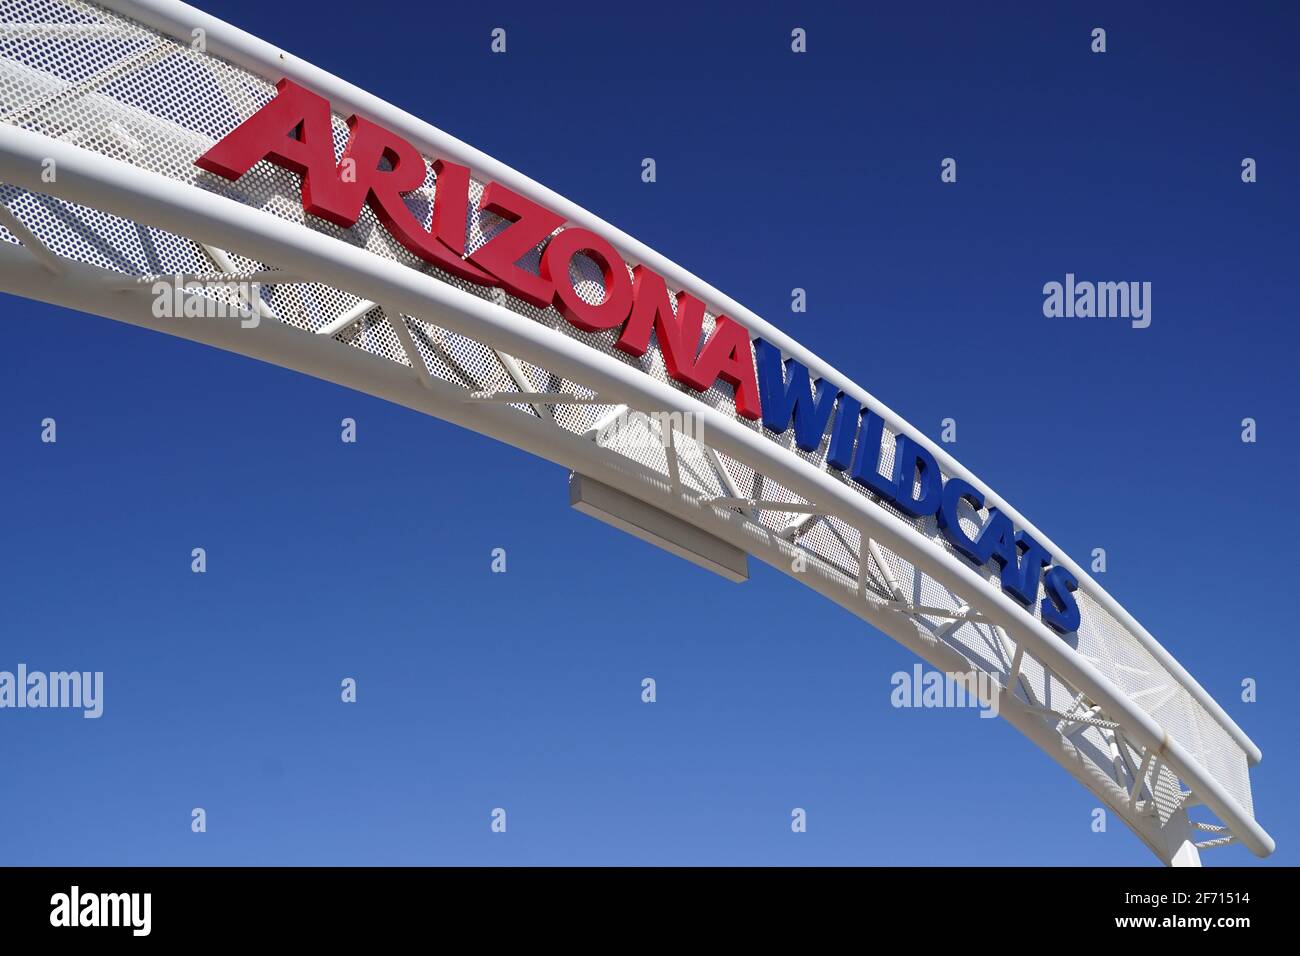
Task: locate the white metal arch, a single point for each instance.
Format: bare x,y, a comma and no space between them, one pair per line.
739,485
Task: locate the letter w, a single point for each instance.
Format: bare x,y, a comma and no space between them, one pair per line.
786,392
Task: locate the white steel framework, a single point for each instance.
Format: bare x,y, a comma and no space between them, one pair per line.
119,99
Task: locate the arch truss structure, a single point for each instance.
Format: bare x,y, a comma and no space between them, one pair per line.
124,193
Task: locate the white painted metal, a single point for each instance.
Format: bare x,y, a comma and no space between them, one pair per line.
636,517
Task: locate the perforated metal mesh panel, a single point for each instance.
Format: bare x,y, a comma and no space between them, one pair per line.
76,72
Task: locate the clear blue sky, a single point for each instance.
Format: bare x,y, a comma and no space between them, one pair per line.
523,690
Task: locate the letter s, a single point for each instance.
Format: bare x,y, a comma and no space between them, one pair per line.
1060,609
